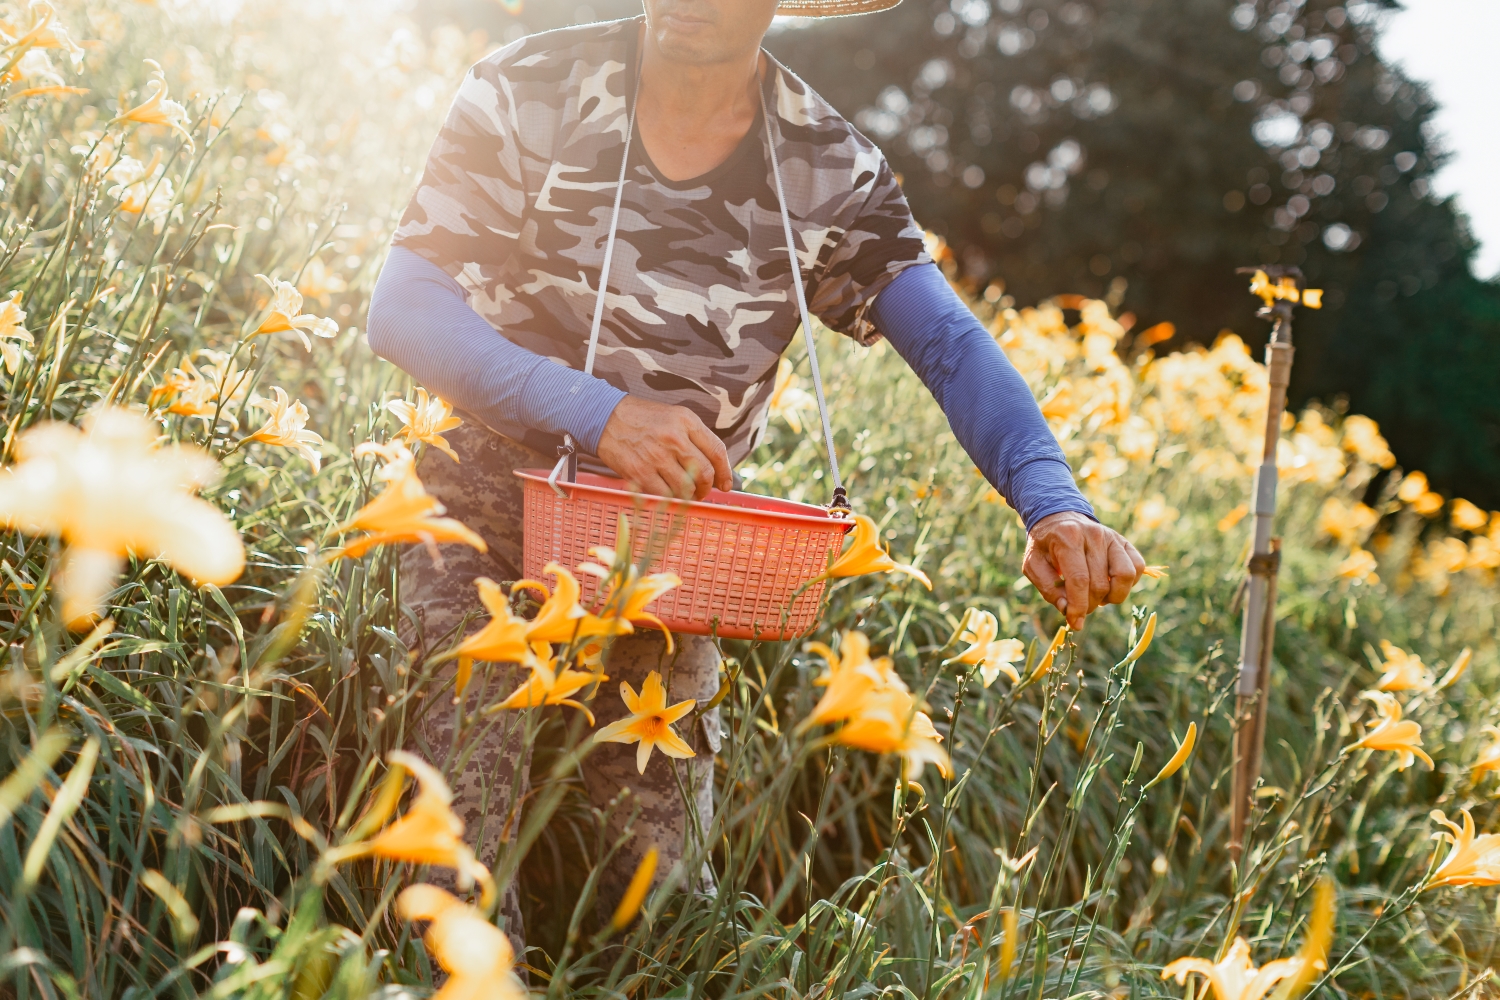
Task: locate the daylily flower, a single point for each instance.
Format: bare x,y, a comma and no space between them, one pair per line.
403,512
1345,524
789,400
1236,977
13,332
629,591
561,618
1460,664
476,954
635,892
109,492
202,391
286,314
42,33
1472,861
430,833
1489,757
1403,738
1403,671
993,656
866,555
548,685
649,723
285,426
1312,957
158,109
851,677
317,281
503,640
141,187
425,421
1179,758
1360,565
887,721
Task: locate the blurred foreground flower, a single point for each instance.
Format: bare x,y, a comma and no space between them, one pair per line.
13,332
109,492
993,656
1414,491
789,400
285,425
1392,734
866,555
403,512
1235,977
158,109
476,954
649,722
635,892
425,421
1472,861
1359,566
286,314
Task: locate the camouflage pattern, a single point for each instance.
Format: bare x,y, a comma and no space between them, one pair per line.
516,200
490,778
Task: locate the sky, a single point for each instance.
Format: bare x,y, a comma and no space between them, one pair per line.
1451,45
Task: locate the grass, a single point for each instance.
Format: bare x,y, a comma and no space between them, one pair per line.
174,781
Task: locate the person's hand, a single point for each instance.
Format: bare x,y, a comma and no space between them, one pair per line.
1078,564
664,450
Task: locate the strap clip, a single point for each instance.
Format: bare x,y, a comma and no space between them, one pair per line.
567,464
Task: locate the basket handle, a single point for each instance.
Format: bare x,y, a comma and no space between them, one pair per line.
567,452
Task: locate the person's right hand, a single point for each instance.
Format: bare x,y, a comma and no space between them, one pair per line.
664,450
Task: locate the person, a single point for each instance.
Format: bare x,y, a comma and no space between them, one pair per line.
488,299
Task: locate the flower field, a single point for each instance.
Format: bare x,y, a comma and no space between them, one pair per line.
206,779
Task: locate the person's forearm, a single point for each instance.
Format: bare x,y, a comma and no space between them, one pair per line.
420,320
987,402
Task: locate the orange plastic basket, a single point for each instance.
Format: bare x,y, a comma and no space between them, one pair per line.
741,557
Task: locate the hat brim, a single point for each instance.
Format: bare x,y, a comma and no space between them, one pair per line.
831,8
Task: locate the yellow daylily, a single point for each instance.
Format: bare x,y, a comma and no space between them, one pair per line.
887,721
548,685
865,554
635,892
561,618
1360,565
649,722
630,592
503,640
109,492
43,33
430,833
1050,656
1312,957
13,332
993,656
1235,977
158,109
1460,664
1403,671
1472,861
476,954
202,391
286,314
317,281
142,187
285,426
1489,757
404,511
425,420
1178,759
850,678
1392,734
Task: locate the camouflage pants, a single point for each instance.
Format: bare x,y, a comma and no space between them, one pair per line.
490,771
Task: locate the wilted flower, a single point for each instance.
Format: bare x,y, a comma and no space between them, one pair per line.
13,332
158,109
1403,671
1472,861
404,511
993,656
109,492
649,722
1392,733
425,421
476,954
285,425
866,555
286,314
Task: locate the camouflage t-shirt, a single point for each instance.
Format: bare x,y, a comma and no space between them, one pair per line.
516,200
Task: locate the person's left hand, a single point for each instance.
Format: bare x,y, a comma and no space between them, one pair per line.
1078,564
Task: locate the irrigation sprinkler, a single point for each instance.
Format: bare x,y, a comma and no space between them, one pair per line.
1281,289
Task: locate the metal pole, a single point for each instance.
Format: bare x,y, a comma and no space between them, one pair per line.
1280,288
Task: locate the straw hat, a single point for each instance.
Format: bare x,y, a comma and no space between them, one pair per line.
831,8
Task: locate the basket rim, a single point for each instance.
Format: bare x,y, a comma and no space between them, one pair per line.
816,516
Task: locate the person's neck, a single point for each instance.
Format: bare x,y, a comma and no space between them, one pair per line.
698,96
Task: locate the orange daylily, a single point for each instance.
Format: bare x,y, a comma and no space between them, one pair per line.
1403,671
203,391
430,833
887,721
109,492
158,109
13,332
1403,738
562,618
1360,565
850,679
425,421
503,640
993,656
549,685
649,722
476,954
403,512
1179,758
865,554
286,314
285,426
629,591
1472,861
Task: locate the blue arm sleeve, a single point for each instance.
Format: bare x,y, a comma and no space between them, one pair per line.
987,402
420,321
